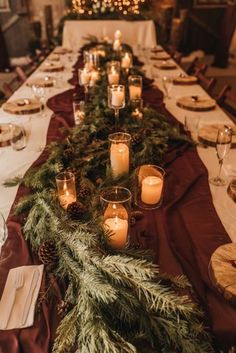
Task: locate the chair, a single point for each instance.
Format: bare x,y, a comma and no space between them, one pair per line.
207,83
7,90
227,100
20,74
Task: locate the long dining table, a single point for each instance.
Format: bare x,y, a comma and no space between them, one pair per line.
193,222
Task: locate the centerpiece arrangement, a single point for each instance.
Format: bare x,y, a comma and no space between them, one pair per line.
78,220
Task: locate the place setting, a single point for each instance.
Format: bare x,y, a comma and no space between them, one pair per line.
22,106
165,65
196,103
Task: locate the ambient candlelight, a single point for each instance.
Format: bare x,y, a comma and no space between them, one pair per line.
117,97
116,45
119,153
135,92
113,77
151,190
66,188
126,61
119,229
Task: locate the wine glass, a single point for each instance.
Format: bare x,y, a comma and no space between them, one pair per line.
3,231
223,144
167,83
116,100
40,94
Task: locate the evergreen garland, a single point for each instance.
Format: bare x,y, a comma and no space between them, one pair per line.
117,298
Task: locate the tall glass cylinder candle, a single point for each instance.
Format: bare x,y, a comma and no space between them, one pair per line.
149,185
126,60
115,203
135,87
113,72
66,188
116,100
119,153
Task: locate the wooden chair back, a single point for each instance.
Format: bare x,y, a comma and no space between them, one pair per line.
20,74
227,100
7,90
206,82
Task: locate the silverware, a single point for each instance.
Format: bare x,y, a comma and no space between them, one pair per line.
18,283
29,297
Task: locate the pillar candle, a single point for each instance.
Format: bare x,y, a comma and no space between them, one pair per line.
85,77
113,77
66,199
151,190
118,34
134,92
116,44
94,77
117,98
119,228
126,61
119,157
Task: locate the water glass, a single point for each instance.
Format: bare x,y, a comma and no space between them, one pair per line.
167,83
18,137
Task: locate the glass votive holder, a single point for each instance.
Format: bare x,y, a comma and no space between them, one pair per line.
116,96
84,77
135,87
137,107
126,60
149,186
119,144
66,190
113,72
18,137
79,111
91,58
115,204
95,76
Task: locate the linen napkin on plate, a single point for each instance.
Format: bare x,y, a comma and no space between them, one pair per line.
17,306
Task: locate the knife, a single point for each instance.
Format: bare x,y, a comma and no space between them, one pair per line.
29,297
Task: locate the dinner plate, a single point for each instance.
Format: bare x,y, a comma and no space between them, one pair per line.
208,134
185,80
41,82
22,106
196,103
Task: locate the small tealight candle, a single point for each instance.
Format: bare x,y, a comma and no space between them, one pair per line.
118,34
151,190
66,188
66,199
117,98
116,44
126,61
119,157
135,92
119,229
113,77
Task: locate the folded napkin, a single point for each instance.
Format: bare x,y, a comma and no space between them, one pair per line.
17,306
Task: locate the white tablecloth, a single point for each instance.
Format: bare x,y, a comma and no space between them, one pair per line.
134,32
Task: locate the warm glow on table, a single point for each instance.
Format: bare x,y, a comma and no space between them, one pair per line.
119,157
119,228
151,190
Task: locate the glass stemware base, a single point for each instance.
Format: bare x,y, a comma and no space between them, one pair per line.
217,181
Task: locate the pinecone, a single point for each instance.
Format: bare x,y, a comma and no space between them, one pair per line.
137,138
84,192
63,307
48,253
132,221
137,215
76,210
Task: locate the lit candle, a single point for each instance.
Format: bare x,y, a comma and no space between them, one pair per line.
85,77
151,190
117,98
94,77
79,117
116,44
119,229
67,198
126,61
113,77
134,92
118,34
119,157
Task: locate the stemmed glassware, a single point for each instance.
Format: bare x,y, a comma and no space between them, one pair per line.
116,100
39,94
167,83
223,144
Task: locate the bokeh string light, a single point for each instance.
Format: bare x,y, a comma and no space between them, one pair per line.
90,7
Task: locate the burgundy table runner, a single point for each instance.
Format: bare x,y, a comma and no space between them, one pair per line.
182,235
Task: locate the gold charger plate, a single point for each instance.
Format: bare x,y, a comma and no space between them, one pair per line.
41,82
51,66
196,103
208,134
22,106
165,66
185,80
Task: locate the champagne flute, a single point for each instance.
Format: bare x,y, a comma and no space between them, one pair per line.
223,144
167,83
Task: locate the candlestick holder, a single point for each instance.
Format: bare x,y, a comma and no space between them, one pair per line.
116,100
115,203
135,87
66,188
113,72
149,183
84,80
120,143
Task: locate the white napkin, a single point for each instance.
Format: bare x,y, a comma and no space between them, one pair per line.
21,296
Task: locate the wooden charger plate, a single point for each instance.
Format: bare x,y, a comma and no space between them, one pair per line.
157,49
196,103
61,51
22,106
165,66
185,80
41,82
208,134
161,56
53,57
222,271
51,66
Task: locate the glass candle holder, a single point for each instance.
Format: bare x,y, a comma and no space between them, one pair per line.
113,72
84,78
95,76
135,87
115,203
91,58
116,99
137,107
79,113
120,143
149,183
66,188
126,61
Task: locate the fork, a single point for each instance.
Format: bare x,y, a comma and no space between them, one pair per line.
18,283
